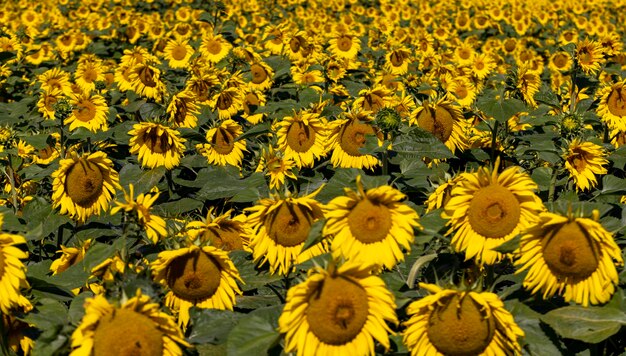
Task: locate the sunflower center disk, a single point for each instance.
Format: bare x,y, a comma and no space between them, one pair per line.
460,329
193,277
353,137
344,43
214,47
179,52
258,74
290,225
223,141
146,75
439,122
300,137
85,111
570,253
369,222
127,333
157,143
494,211
84,183
617,102
337,310
227,239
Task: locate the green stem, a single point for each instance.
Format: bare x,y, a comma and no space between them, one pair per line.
555,173
494,137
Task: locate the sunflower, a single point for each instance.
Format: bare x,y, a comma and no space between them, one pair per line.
214,47
302,137
373,99
154,225
344,46
55,79
227,101
46,102
178,52
560,61
87,74
135,327
156,144
252,100
261,76
397,61
69,257
451,322
204,277
347,136
146,81
482,66
487,209
275,165
183,110
12,274
220,231
589,56
89,111
48,154
372,226
83,186
222,145
338,311
17,336
527,83
584,160
612,107
445,121
279,227
463,90
573,257
442,193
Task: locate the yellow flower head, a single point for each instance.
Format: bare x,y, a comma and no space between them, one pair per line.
152,224
12,274
157,145
584,160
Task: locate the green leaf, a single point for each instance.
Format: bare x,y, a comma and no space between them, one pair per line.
500,109
142,180
535,338
211,326
418,143
509,246
613,185
251,277
253,335
618,157
177,207
591,324
42,219
38,141
150,111
255,130
77,307
315,234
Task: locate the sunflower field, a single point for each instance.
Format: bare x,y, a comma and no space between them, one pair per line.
307,177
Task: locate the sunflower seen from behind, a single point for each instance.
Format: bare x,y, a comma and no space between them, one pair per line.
302,137
451,322
583,160
370,226
488,208
203,277
338,311
156,144
444,120
278,229
84,185
134,327
575,257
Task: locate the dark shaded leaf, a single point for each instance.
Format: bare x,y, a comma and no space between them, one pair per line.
253,335
591,324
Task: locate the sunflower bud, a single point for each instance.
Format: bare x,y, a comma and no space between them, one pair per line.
388,119
62,109
571,124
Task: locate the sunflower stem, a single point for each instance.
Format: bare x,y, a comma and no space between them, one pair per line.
494,135
9,174
552,186
278,294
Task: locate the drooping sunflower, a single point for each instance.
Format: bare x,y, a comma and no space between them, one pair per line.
48,154
83,186
204,277
445,121
222,146
612,107
153,225
276,166
46,102
584,160
12,274
488,208
69,257
450,322
302,137
90,111
397,61
183,110
135,327
338,311
178,52
146,81
227,102
157,145
571,256
347,136
279,227
373,99
372,227
220,231
261,75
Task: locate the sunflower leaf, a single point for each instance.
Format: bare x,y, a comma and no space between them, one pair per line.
253,335
215,325
315,234
509,246
500,109
588,324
